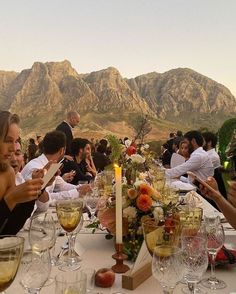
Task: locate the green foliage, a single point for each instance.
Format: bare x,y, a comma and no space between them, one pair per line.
225,135
142,126
116,148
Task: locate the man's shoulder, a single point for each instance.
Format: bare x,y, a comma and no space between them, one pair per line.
62,125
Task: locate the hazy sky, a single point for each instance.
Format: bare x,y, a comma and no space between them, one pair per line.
136,36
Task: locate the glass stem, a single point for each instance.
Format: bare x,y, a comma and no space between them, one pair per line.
191,287
70,246
73,238
168,291
213,263
33,291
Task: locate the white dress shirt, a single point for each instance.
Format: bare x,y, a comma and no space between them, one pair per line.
59,189
215,158
39,205
199,163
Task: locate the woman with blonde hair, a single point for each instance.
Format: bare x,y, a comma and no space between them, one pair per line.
16,202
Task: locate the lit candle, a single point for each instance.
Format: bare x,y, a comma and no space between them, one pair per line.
118,205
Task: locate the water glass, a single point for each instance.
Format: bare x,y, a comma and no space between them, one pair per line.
90,273
71,283
34,270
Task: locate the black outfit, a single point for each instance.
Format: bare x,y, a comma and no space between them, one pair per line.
32,149
80,170
170,145
66,129
220,182
11,222
166,157
100,161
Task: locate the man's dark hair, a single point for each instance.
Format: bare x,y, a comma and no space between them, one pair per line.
31,141
179,134
210,137
195,135
53,142
176,141
101,149
172,135
165,145
103,142
77,144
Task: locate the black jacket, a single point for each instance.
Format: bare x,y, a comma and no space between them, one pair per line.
65,128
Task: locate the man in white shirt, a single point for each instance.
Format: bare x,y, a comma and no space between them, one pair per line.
54,144
209,146
199,161
17,161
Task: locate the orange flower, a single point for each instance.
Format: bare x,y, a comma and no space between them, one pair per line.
144,202
132,193
146,189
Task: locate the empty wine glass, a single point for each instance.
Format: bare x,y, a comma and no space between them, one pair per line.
34,270
195,261
92,199
11,249
215,241
42,233
69,213
167,266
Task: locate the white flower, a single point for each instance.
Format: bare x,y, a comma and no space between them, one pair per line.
136,158
130,213
142,176
158,213
146,146
138,183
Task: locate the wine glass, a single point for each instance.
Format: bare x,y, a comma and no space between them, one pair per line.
165,234
69,214
108,181
42,233
215,241
11,249
195,261
167,266
91,201
34,270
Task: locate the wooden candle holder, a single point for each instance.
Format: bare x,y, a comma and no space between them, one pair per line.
119,256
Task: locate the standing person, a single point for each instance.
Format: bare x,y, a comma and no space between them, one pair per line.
210,147
72,120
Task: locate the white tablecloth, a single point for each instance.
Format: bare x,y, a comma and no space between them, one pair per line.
98,252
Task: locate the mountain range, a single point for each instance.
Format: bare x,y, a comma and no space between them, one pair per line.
180,98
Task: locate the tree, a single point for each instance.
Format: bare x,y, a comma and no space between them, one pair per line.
225,135
142,127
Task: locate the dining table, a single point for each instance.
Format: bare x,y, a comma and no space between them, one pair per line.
96,253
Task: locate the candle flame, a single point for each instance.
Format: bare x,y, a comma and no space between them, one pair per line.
116,165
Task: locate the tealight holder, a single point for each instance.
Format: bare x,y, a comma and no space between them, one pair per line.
119,256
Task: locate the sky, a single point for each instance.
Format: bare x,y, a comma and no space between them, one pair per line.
135,36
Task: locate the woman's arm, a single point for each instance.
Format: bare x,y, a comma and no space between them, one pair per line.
225,206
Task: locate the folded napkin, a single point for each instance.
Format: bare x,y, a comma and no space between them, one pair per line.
226,256
182,186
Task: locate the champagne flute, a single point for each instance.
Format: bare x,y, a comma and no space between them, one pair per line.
11,249
195,262
215,241
167,266
34,270
69,213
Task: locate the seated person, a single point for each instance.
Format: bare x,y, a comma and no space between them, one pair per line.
100,159
209,146
184,150
16,162
199,161
80,149
16,203
54,144
227,207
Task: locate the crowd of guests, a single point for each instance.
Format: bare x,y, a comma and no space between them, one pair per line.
21,190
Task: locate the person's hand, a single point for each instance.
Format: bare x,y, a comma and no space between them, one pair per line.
84,189
38,174
232,193
212,193
68,177
28,191
89,168
70,158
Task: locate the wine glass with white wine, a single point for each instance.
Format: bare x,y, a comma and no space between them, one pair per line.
69,213
11,249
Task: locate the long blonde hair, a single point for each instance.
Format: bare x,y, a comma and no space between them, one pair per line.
6,119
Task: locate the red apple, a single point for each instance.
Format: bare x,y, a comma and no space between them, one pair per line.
105,278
